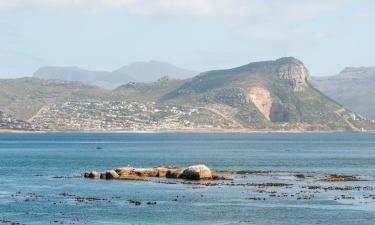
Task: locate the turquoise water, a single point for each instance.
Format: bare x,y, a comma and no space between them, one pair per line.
29,193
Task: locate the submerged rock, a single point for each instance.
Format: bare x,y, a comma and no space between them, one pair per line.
196,172
134,202
216,176
340,178
131,177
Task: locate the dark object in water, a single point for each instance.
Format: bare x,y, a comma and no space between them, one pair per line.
135,202
99,148
300,176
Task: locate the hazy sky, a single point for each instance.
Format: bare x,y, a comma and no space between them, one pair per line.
327,35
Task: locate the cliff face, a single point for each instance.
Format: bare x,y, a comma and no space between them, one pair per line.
295,72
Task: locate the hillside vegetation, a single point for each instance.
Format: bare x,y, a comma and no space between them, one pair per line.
262,96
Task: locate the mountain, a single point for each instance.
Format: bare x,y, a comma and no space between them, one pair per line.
138,71
261,96
100,78
153,70
353,87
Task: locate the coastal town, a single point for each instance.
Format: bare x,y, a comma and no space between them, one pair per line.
9,122
121,116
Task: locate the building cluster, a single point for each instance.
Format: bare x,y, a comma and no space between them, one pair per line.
10,122
116,115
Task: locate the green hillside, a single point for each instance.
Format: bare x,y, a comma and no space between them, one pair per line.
23,97
148,91
262,96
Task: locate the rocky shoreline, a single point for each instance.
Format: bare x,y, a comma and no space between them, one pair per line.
255,186
196,130
194,172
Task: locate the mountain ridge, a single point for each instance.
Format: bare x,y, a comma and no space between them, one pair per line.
352,87
137,71
273,95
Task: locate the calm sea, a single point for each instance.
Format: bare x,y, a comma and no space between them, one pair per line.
29,193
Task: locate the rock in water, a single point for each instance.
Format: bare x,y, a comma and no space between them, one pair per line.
162,171
111,174
196,172
173,173
146,172
93,175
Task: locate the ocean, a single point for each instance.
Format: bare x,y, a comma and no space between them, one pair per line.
36,185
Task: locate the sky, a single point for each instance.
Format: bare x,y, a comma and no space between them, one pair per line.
199,35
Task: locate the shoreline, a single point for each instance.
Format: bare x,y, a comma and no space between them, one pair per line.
198,130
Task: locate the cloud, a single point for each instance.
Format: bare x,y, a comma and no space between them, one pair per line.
289,20
196,8
362,16
267,32
305,10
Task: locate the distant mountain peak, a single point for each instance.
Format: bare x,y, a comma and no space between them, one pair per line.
357,70
153,70
287,68
290,59
138,71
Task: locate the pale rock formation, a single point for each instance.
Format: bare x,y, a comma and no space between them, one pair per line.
296,73
262,99
196,172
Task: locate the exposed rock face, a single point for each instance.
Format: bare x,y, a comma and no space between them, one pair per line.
295,72
271,109
196,172
262,99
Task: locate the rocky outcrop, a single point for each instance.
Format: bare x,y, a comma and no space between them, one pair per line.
111,174
92,175
262,99
294,72
173,173
272,109
196,172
